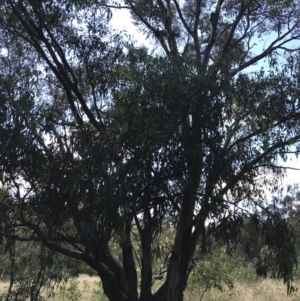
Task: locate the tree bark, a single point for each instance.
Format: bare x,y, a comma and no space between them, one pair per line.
129,264
184,246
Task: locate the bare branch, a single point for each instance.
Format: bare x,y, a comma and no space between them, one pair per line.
186,26
213,34
259,158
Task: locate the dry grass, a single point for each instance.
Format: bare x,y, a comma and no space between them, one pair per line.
3,287
86,279
84,287
266,290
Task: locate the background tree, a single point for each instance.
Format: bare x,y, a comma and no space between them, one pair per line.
33,270
101,140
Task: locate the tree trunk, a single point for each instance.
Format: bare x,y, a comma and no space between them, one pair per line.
184,244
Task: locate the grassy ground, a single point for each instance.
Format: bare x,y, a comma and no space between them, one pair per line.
88,288
265,290
82,288
3,286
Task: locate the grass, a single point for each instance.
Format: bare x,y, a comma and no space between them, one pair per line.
82,288
88,288
264,290
3,286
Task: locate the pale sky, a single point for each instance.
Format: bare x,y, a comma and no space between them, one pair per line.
121,20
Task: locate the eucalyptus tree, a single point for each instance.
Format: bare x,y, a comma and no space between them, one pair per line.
104,142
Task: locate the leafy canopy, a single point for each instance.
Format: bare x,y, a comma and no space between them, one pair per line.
103,142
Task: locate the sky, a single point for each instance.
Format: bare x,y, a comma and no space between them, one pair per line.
121,20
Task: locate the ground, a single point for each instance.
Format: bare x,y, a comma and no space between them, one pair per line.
86,288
